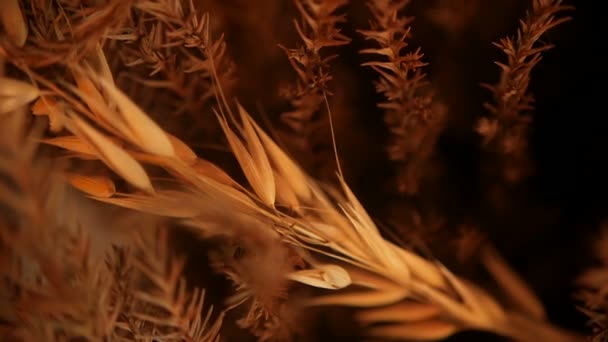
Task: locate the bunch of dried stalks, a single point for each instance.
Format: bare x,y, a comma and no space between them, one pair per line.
59,282
276,230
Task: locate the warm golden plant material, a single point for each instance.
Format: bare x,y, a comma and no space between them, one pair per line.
53,284
13,22
172,44
363,270
414,119
318,31
268,227
505,130
257,267
58,31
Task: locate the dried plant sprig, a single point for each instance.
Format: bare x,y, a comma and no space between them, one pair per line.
505,130
318,31
333,223
116,114
161,307
59,31
175,46
351,236
413,117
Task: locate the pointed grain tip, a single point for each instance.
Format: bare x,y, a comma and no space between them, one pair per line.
113,156
148,135
13,21
99,186
15,94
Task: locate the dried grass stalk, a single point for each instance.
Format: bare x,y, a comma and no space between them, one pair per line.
505,130
319,31
414,118
177,49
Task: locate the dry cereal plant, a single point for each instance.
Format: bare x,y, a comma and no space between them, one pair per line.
149,192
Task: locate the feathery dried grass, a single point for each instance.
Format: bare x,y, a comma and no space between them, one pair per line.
319,31
59,31
159,305
172,44
414,118
505,131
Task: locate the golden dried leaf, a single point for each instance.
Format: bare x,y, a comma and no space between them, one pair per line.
147,134
369,298
431,330
183,151
421,268
102,113
512,284
289,170
15,94
406,311
285,195
322,276
46,105
163,203
484,309
14,22
101,64
43,105
375,244
72,143
99,186
257,152
260,185
369,279
88,88
116,158
212,171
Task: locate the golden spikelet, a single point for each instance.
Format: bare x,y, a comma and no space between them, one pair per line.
412,115
505,130
13,21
